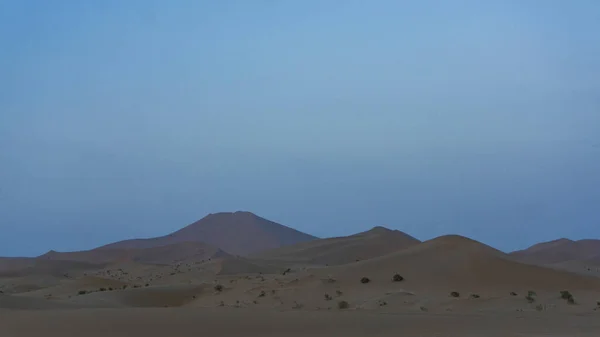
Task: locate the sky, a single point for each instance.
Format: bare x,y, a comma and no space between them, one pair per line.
123,119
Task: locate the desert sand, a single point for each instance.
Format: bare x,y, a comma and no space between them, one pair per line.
375,283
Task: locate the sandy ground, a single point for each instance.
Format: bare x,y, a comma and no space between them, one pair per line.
448,286
180,322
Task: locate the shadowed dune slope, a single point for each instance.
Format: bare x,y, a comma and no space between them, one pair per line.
376,242
236,233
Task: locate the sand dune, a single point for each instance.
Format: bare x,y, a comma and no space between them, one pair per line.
167,254
376,242
559,251
455,262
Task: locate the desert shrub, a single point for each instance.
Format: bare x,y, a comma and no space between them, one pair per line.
565,295
531,293
530,298
339,293
328,297
287,271
102,289
365,280
539,307
297,305
424,309
110,289
218,287
397,278
125,286
455,294
262,294
475,296
598,304
82,292
343,305
512,293
147,285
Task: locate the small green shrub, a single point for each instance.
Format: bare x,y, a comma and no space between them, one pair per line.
328,297
339,293
455,294
365,280
82,292
262,294
475,296
512,293
531,293
218,288
530,298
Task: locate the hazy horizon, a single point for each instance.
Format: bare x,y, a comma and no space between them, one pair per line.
134,119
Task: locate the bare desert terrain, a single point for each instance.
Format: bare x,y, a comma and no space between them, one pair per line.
281,282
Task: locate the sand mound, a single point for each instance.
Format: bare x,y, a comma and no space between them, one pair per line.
378,241
455,262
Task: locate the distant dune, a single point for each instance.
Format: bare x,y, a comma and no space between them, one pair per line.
167,254
376,242
237,233
560,251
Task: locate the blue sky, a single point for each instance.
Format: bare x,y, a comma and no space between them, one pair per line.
123,119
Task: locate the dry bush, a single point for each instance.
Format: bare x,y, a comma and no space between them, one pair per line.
397,278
